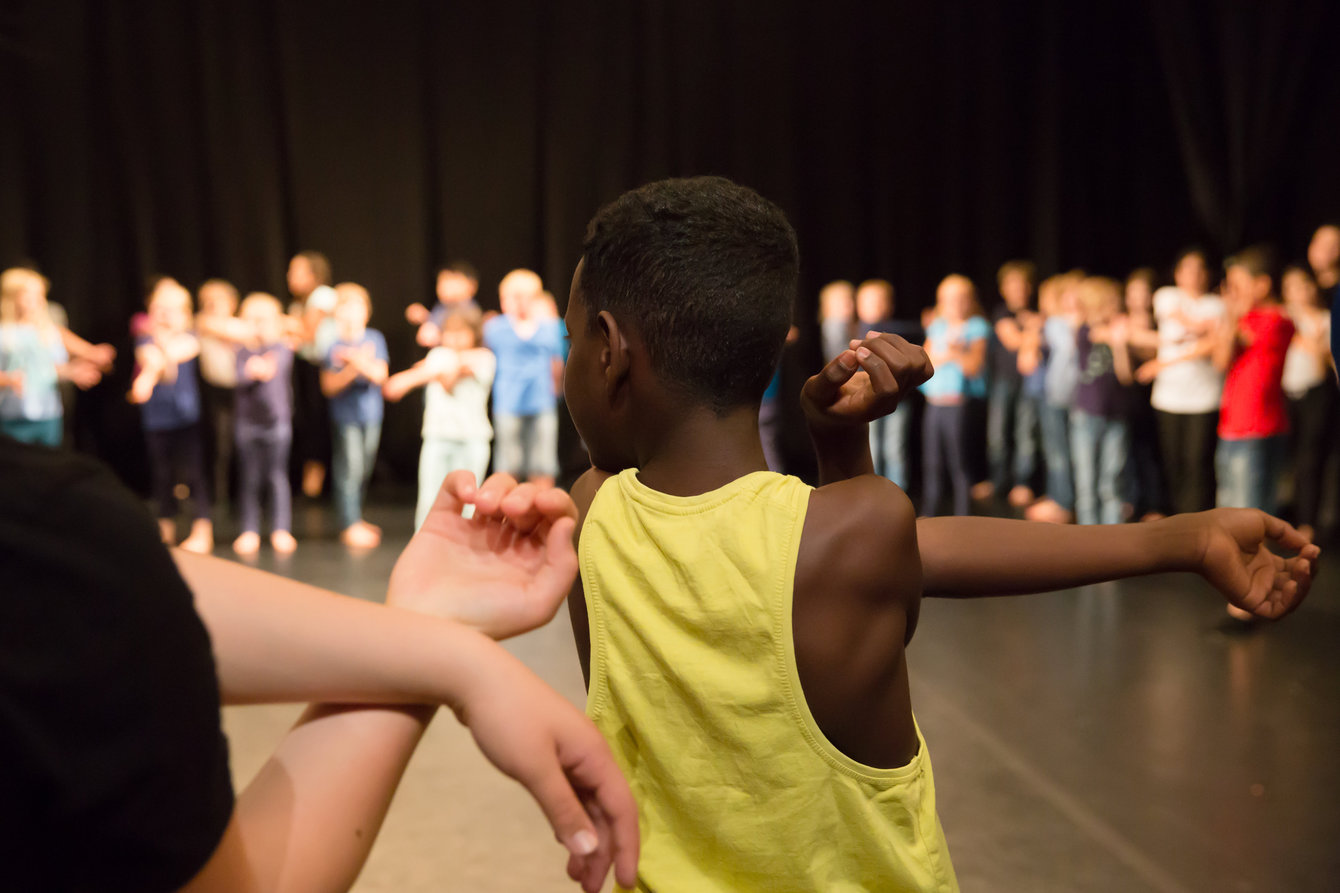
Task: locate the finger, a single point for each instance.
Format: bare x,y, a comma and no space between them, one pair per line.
824,388
881,376
457,490
555,503
617,809
572,826
518,507
598,863
490,494
1285,534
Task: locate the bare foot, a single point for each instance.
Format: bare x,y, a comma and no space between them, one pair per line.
167,530
1021,495
247,543
201,539
313,479
983,490
283,542
360,535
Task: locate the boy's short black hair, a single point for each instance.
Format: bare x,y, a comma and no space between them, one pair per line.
704,270
1189,251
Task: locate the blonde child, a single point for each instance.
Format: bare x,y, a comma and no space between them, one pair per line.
837,307
457,285
34,360
216,325
167,387
263,367
1099,435
352,378
456,378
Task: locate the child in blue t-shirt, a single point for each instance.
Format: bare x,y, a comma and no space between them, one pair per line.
352,376
456,286
529,348
167,387
956,343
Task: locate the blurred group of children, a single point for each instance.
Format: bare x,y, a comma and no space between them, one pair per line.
254,382
1108,401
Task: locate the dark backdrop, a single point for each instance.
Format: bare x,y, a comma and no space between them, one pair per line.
217,138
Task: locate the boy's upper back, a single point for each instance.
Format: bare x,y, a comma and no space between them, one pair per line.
752,748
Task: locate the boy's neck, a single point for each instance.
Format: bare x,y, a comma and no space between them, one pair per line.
697,451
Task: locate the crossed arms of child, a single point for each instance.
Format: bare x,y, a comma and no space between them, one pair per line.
976,556
306,821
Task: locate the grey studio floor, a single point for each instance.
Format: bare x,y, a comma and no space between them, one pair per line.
1112,739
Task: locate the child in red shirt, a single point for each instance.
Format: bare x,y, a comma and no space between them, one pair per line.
1253,418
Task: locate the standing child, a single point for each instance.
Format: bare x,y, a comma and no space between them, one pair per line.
1187,386
1250,348
744,636
956,344
263,367
1056,340
528,346
33,361
1309,384
1099,436
168,389
1144,470
888,435
313,308
352,378
216,327
1012,416
456,378
456,288
837,303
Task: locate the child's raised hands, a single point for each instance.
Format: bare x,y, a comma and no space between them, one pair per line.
1236,558
865,382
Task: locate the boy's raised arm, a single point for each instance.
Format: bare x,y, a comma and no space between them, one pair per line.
969,557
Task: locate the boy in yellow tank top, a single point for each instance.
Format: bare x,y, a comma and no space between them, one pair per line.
743,635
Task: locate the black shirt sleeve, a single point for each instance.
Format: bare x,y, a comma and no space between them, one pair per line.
113,764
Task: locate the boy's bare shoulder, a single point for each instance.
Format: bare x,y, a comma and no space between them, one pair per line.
861,536
584,490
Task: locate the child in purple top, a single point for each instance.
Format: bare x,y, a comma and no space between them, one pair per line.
352,377
264,425
1099,436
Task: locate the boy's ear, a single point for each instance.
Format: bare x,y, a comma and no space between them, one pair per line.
614,356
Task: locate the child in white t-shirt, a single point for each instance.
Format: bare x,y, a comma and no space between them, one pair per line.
457,378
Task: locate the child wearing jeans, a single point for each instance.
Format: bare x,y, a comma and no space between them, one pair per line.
1054,342
528,345
456,378
888,435
956,343
1012,415
352,378
167,388
264,425
744,635
1099,436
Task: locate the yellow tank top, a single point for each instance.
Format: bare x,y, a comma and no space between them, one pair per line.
694,685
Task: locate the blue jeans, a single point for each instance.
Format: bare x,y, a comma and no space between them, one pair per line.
888,444
1248,472
355,451
1056,452
1098,448
1011,413
527,445
262,453
439,458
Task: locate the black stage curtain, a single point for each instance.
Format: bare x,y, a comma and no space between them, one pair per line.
216,138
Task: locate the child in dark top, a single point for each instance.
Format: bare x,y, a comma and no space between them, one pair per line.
1099,436
1012,414
888,435
168,389
678,310
1144,468
457,285
264,426
352,377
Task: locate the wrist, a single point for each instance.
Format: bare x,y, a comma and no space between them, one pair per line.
1178,542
